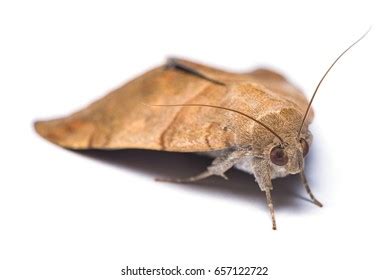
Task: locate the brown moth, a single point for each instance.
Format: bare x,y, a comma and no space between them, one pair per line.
255,121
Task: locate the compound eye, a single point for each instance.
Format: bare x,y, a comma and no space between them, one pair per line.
278,156
305,146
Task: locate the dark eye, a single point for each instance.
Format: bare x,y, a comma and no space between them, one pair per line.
278,156
305,146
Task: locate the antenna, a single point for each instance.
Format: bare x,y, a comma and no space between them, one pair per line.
325,74
223,108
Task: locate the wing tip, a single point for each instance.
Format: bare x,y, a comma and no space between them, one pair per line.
40,128
62,133
45,130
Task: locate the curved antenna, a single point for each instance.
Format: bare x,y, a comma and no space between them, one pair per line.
325,74
223,108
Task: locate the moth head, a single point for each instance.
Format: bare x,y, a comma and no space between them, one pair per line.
288,157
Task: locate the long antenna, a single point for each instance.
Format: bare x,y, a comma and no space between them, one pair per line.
223,108
318,85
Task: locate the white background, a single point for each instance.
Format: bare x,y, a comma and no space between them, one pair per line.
67,215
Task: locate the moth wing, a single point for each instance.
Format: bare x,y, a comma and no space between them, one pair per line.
123,119
282,87
276,82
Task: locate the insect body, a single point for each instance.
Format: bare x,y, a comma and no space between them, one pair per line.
255,121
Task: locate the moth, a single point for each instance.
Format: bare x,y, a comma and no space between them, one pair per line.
255,121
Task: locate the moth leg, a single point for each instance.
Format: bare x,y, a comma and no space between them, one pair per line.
219,165
261,172
308,189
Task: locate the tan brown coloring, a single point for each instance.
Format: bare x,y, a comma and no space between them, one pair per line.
122,120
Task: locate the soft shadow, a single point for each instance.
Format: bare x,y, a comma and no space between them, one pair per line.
288,192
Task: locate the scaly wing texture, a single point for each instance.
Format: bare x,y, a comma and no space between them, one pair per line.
122,119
